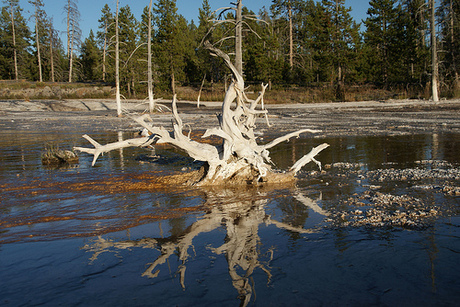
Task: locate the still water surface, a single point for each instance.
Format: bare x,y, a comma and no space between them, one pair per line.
80,236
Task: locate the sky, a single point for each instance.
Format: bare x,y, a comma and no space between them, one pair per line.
90,10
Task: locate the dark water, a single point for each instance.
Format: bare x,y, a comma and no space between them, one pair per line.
80,236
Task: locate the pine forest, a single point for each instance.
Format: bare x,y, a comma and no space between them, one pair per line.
305,50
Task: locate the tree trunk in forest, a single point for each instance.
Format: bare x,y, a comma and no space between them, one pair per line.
239,37
117,64
37,40
104,52
452,41
71,55
149,61
69,41
291,38
199,93
173,83
51,54
434,57
15,51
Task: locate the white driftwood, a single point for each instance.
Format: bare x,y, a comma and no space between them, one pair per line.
308,158
100,149
239,155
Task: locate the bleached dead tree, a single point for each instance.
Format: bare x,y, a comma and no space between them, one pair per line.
38,4
239,158
117,63
149,60
434,55
73,32
238,22
13,6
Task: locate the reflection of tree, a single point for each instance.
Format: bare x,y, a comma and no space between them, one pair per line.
240,213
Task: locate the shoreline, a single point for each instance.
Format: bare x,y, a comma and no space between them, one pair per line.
394,117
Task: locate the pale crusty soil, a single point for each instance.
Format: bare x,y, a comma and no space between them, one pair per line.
333,119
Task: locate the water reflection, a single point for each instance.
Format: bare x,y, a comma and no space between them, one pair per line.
237,212
373,151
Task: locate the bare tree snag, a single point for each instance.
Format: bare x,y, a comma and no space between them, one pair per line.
15,48
239,158
434,55
73,32
149,61
199,93
38,4
117,64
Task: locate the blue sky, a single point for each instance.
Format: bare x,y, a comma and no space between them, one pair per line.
90,10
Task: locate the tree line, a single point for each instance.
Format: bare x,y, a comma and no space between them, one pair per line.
289,43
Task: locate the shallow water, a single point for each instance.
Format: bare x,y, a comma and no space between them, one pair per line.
379,226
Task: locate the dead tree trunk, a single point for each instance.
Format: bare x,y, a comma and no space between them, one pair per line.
51,54
117,64
239,158
239,37
434,56
149,61
15,49
69,41
104,52
37,41
73,33
291,38
452,42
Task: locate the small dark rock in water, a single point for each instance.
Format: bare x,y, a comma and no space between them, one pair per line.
59,156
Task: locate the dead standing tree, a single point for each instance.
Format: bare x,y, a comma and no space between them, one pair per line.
73,32
239,158
238,21
38,16
14,6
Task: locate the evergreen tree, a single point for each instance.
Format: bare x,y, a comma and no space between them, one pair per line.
379,37
169,42
39,18
14,42
285,10
13,5
343,40
311,22
146,29
105,40
412,28
206,65
261,64
56,61
449,20
90,59
129,37
73,32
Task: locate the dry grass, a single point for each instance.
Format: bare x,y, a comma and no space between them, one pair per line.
319,93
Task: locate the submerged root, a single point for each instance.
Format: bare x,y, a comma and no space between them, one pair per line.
246,175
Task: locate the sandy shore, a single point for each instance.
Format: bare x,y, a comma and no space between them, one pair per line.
347,118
